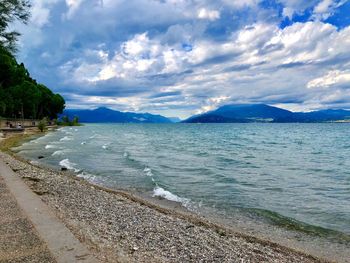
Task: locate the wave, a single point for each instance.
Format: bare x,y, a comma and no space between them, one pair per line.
50,146
59,152
66,138
162,193
148,171
296,225
94,136
69,165
34,162
87,176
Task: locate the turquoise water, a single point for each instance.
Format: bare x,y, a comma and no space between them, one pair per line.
296,175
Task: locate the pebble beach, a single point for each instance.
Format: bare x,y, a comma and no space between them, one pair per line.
117,226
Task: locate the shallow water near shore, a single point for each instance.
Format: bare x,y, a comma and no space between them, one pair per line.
292,176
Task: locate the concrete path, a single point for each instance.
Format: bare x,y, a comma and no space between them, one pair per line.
29,231
19,241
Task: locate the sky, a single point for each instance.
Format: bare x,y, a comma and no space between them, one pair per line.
184,57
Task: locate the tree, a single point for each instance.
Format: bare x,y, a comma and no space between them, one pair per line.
7,67
42,124
11,11
75,121
20,95
27,99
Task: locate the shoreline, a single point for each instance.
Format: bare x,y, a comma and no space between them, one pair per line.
46,183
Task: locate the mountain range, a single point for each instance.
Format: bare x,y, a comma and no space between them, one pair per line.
265,113
233,113
105,115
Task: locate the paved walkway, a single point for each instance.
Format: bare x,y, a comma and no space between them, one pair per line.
19,241
29,230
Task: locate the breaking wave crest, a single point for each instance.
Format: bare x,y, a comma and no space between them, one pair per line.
50,146
57,153
66,138
69,165
162,193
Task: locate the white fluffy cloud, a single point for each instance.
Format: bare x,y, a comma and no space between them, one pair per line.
259,61
292,7
334,78
40,12
208,14
188,56
325,8
73,6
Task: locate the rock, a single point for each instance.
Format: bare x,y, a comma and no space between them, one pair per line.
64,169
31,178
40,192
41,157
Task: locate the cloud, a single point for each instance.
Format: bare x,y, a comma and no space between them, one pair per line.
179,57
334,78
208,14
292,7
40,12
325,8
73,6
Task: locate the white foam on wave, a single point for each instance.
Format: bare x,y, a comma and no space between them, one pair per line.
105,146
160,192
87,176
50,146
66,138
125,154
59,152
69,165
34,162
93,136
148,171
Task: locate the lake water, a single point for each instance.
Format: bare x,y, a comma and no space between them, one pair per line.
293,175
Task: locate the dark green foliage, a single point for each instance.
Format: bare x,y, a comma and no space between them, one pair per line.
65,121
11,11
42,124
21,96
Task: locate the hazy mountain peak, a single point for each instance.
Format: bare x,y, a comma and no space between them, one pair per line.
267,113
106,115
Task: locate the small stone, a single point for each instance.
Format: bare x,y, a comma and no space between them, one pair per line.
135,248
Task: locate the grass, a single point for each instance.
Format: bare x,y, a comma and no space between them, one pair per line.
14,140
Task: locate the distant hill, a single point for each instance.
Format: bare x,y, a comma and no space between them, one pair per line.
105,115
265,113
174,119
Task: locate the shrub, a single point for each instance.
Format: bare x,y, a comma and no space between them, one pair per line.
42,124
